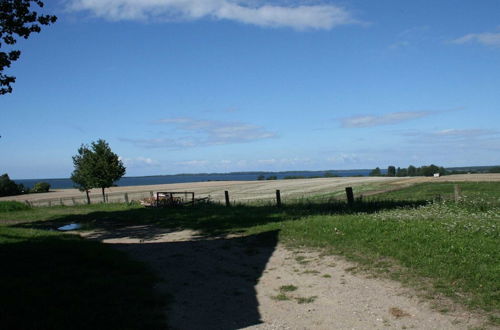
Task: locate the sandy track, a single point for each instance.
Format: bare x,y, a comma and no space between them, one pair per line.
255,190
232,283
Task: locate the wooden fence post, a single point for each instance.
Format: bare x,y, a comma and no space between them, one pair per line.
50,203
226,194
27,203
350,195
278,198
61,201
126,197
457,193
73,200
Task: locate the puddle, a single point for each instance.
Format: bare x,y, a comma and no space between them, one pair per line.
71,226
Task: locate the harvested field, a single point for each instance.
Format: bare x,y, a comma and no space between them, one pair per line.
244,191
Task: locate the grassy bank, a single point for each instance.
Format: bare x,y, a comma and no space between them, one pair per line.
489,191
451,247
51,280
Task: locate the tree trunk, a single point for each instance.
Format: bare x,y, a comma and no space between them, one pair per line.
103,195
88,197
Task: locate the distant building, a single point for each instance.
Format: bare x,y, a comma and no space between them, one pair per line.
437,175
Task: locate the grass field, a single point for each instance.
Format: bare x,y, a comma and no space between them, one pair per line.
447,247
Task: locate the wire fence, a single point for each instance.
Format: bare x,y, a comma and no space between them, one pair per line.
216,196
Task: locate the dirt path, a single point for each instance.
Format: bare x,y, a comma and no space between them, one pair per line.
241,282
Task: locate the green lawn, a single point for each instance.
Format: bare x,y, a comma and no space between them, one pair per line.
454,247
429,191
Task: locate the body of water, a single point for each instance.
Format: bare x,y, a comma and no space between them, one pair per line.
180,178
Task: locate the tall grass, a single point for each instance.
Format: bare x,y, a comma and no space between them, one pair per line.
10,206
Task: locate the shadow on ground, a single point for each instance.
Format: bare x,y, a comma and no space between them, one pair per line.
209,220
212,281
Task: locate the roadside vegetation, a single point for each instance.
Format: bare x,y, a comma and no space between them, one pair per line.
434,244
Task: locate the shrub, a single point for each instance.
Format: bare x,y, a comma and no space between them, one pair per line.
41,187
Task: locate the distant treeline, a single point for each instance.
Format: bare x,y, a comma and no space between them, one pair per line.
10,188
431,170
291,177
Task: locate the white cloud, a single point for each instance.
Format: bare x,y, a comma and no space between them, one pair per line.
343,158
470,139
193,163
300,17
464,133
283,161
486,39
139,161
386,119
204,133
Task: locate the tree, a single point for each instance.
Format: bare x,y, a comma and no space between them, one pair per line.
376,172
96,167
106,166
17,20
412,170
402,172
8,187
495,169
391,171
82,175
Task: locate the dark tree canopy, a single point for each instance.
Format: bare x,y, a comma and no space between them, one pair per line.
8,187
96,167
82,175
391,171
376,172
17,20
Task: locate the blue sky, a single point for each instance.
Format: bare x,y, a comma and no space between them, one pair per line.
187,86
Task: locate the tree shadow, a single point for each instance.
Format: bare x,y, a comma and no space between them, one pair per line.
64,282
209,220
212,281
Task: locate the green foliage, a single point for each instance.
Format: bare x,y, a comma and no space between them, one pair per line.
41,187
376,172
10,206
9,187
401,172
261,177
293,177
82,176
17,20
96,166
431,170
272,177
330,175
412,170
106,165
445,191
391,171
495,169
